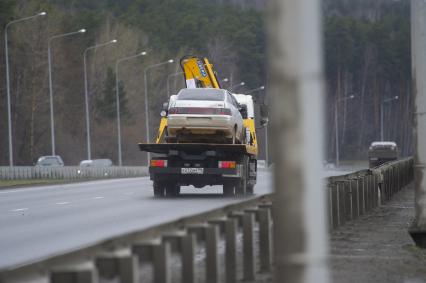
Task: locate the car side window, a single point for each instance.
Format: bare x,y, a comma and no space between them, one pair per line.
232,99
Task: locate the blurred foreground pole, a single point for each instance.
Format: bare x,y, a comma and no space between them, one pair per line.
418,45
295,69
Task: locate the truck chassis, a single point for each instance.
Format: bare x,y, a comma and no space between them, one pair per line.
175,165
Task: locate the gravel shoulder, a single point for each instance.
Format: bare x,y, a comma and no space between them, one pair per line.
377,247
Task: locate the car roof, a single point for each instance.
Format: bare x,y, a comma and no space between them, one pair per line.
383,144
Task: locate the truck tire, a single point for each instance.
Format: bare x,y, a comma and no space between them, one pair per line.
250,189
241,187
159,189
172,190
228,189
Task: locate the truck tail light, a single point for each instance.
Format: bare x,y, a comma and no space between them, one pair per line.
200,110
227,164
158,163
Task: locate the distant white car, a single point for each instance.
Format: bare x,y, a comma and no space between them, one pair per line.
381,152
204,114
96,163
50,161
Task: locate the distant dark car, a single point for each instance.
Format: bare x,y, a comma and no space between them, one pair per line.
382,152
50,161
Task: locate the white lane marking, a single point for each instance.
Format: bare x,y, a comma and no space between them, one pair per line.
64,202
98,198
19,209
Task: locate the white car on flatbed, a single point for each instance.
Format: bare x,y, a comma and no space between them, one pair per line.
204,114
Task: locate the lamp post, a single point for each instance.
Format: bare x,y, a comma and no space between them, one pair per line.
86,96
381,115
117,101
237,85
9,111
337,126
168,81
146,99
224,80
255,90
49,57
266,146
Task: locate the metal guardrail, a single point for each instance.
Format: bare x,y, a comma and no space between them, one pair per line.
70,172
244,229
352,195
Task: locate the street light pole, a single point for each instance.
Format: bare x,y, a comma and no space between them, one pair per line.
266,147
168,81
86,96
237,85
9,111
224,80
255,90
117,101
337,126
49,57
146,100
382,115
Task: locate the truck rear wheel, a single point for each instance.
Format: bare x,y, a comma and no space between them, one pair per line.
172,190
159,189
250,189
228,189
241,187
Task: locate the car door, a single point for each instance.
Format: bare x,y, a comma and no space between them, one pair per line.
236,115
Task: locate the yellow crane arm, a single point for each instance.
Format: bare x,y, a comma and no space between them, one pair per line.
198,72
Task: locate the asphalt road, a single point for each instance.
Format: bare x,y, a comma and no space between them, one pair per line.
38,222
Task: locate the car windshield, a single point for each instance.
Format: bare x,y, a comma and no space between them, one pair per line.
201,94
49,161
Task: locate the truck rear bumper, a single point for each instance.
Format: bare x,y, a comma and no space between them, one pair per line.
224,172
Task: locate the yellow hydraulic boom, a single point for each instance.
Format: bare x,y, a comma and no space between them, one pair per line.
198,72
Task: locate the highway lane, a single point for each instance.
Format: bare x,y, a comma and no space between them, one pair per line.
38,222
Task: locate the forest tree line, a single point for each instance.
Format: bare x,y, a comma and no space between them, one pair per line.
367,53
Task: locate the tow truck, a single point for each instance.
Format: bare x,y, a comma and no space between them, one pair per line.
234,166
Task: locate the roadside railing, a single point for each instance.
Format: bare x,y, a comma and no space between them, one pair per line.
228,244
70,172
352,195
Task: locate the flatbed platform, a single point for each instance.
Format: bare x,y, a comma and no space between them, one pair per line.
164,148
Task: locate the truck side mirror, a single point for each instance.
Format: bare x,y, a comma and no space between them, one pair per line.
165,106
264,121
165,109
243,110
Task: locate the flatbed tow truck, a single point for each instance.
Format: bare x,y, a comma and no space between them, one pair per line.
200,164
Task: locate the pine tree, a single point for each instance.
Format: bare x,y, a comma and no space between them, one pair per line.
106,105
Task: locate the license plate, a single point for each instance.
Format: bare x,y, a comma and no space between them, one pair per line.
192,170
